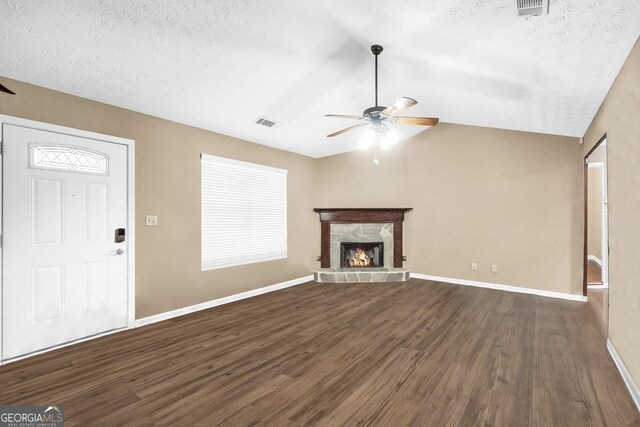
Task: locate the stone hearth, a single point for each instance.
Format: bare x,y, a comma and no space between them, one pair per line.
357,275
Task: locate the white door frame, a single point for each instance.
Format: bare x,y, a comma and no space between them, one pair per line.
131,276
604,219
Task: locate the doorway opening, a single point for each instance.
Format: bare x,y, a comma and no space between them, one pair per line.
596,232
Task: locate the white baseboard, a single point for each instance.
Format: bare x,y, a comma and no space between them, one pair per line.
66,344
626,376
499,287
595,258
220,301
170,314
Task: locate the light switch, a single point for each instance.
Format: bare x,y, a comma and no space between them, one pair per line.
474,266
494,268
151,220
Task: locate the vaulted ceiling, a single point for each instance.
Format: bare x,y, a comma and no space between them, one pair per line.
219,65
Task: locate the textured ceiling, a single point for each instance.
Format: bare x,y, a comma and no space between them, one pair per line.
220,64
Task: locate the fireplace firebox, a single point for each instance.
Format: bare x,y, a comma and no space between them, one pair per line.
361,255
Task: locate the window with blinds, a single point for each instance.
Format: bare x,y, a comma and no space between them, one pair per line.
244,212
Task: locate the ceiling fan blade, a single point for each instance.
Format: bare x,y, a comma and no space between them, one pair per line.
344,116
399,105
340,132
5,90
422,121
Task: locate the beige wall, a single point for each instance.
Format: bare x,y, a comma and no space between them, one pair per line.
479,195
168,274
619,118
594,205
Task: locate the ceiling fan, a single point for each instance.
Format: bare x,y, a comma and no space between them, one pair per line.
378,118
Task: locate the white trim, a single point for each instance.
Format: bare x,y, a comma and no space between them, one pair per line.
603,286
32,124
604,239
1,235
220,301
595,258
131,235
172,314
499,287
131,223
626,375
604,218
67,344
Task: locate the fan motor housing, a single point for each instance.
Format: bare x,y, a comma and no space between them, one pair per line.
373,111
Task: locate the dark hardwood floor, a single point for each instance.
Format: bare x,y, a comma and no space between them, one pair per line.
598,298
599,303
390,354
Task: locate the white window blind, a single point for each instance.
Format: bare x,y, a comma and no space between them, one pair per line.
244,213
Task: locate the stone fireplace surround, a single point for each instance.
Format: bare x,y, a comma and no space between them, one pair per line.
361,233
362,226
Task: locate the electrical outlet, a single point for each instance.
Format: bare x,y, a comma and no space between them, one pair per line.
151,221
494,268
474,266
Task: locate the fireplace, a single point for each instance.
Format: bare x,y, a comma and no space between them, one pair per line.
361,254
361,245
368,225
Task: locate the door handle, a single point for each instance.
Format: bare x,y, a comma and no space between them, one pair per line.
118,251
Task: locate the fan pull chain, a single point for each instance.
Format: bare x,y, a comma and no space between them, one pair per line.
376,154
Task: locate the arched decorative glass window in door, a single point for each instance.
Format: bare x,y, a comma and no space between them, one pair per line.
68,158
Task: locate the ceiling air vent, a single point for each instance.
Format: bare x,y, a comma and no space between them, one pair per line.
263,121
532,7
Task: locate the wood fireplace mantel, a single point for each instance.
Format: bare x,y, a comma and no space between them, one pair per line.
360,215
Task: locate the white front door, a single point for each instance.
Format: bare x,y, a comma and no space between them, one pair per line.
64,269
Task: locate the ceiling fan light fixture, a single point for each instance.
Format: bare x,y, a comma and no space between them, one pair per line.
388,138
369,138
380,137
